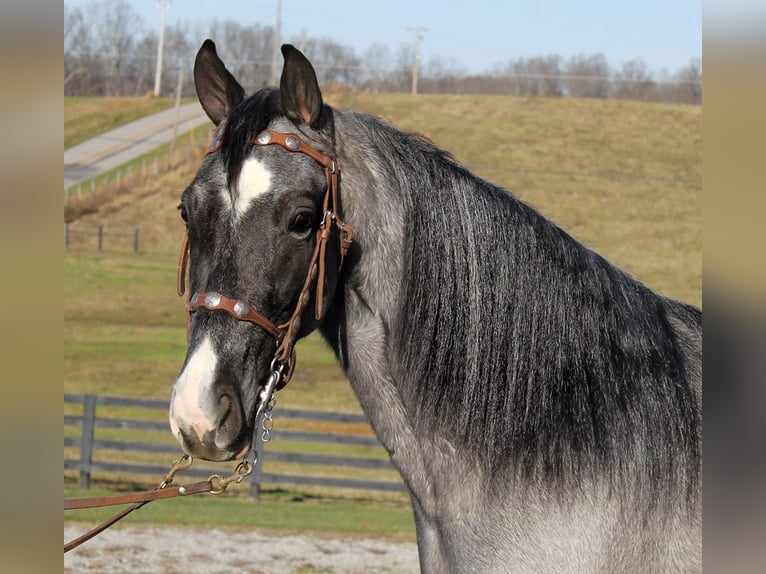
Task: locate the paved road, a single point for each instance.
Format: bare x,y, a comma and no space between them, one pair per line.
122,144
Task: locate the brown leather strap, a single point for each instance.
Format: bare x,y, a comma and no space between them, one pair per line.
183,263
101,527
135,497
138,499
291,142
238,309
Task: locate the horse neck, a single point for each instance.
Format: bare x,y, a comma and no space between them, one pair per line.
466,318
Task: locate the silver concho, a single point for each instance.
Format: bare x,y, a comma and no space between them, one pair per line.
212,299
240,309
264,137
193,300
292,142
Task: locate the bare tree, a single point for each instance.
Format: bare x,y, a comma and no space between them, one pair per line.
109,51
689,80
246,50
442,76
588,76
377,66
117,27
76,42
535,76
334,63
633,81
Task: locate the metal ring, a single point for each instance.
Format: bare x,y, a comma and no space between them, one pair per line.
217,484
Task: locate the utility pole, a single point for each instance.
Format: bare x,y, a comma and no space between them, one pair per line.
164,7
275,48
179,88
416,56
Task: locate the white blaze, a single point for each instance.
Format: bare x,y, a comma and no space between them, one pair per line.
192,390
254,181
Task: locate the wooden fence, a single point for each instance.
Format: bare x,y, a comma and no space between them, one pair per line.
96,444
100,234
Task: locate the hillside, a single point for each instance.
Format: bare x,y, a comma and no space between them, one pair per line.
623,177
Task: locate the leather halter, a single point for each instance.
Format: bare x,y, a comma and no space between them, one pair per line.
285,333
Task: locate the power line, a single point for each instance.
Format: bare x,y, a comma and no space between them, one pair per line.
319,65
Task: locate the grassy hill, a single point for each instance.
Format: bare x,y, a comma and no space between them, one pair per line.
623,177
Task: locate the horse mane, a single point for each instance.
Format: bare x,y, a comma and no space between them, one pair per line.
523,346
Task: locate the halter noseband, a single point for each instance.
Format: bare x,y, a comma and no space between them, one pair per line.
285,333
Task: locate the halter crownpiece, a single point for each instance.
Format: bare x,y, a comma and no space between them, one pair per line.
286,333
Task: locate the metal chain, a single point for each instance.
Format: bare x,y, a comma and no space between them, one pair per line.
268,420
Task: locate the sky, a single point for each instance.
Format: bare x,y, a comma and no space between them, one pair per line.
475,35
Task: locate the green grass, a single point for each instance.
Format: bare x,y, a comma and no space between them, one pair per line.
125,333
276,510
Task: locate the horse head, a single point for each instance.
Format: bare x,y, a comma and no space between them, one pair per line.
264,242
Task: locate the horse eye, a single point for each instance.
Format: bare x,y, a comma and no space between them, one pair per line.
302,223
184,213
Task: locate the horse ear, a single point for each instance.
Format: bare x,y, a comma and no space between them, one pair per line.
301,98
217,90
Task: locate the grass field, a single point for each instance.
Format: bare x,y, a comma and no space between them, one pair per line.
623,177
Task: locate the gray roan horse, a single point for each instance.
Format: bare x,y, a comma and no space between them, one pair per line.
542,407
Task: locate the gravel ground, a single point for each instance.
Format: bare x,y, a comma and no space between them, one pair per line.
137,549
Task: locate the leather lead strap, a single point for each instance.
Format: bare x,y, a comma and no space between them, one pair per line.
136,500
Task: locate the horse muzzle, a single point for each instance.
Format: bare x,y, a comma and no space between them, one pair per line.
208,418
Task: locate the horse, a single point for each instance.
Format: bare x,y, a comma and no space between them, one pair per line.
542,406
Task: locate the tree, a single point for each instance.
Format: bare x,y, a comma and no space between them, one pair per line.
442,76
689,80
633,81
109,51
536,76
377,67
333,62
246,51
588,76
76,45
117,27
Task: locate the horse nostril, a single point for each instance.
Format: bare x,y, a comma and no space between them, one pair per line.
230,426
225,406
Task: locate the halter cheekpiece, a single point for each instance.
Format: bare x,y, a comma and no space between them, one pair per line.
285,333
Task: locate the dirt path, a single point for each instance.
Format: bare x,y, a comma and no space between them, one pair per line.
137,549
